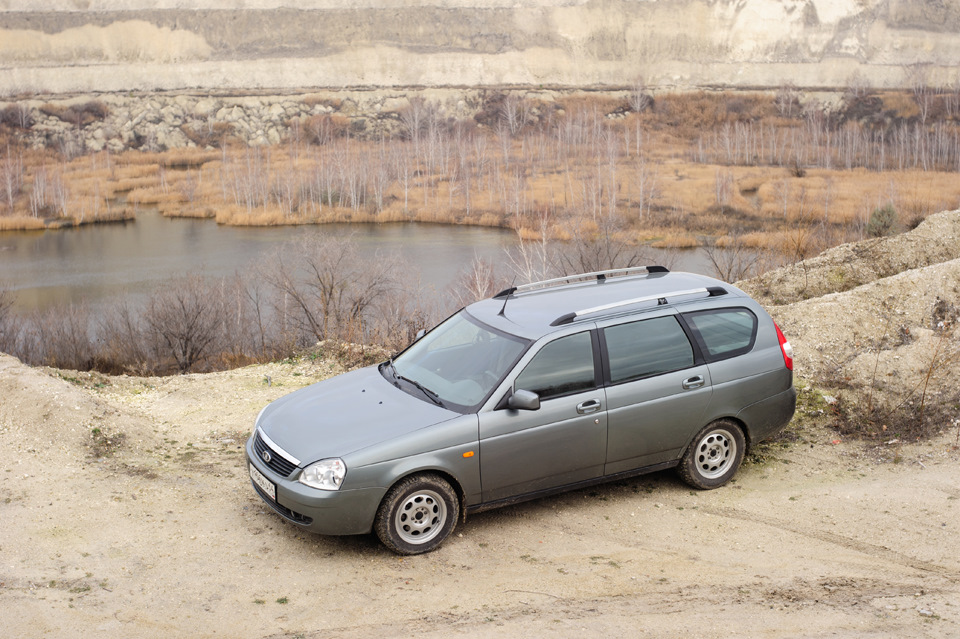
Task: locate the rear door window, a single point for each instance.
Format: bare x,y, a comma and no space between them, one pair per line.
646,348
723,333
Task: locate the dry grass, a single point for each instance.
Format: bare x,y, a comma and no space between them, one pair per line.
20,223
647,170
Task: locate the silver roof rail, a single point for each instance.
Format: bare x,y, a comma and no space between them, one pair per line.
662,300
566,279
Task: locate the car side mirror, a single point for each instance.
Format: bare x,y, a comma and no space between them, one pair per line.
524,400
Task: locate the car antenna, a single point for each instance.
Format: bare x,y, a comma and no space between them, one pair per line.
505,294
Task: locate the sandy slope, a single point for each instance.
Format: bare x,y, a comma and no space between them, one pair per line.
164,536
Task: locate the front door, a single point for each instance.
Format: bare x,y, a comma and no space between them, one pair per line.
565,440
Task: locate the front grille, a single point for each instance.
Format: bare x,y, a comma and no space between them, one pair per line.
284,512
277,463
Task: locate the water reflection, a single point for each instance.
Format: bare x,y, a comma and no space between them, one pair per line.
99,262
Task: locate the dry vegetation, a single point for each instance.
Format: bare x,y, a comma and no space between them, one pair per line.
681,170
760,179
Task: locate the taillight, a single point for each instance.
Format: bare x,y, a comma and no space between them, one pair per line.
785,348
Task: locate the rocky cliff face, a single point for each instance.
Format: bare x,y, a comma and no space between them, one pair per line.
95,45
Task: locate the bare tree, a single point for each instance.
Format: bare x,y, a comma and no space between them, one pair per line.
734,260
326,289
787,100
917,78
185,316
477,281
640,99
11,177
603,249
514,113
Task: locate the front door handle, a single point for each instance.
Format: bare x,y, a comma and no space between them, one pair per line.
694,382
589,406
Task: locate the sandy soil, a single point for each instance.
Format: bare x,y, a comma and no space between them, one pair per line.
125,511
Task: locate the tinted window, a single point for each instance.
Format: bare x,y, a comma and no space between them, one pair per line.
650,347
725,332
561,367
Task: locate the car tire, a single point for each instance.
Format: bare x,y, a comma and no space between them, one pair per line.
417,514
714,456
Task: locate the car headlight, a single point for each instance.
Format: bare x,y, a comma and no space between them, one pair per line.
326,474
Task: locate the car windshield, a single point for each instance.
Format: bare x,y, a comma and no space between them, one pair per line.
459,362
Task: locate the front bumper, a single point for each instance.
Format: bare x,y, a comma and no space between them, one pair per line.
325,512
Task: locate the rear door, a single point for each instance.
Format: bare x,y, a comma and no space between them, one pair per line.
524,451
658,390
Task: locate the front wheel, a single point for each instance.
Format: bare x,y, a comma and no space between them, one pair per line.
417,514
714,455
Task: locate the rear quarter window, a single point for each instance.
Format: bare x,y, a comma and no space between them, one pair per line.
723,333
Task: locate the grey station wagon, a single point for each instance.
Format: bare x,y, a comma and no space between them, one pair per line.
542,388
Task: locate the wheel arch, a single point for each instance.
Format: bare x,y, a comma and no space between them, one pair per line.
444,474
736,420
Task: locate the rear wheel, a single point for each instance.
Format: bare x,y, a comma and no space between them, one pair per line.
417,514
714,455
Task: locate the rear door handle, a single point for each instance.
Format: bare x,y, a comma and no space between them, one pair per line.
589,406
694,382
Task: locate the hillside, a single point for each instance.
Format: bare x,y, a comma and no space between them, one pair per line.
125,510
68,46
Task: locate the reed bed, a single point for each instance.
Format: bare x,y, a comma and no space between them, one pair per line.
754,169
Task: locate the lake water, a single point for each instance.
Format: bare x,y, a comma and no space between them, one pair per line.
100,262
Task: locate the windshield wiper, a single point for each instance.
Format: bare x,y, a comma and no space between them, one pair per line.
426,391
393,372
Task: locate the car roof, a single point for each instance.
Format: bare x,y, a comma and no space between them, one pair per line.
537,309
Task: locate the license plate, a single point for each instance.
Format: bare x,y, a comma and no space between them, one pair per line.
263,483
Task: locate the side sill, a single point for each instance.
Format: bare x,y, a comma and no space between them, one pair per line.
509,501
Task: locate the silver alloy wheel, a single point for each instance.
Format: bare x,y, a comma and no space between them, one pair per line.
420,517
715,452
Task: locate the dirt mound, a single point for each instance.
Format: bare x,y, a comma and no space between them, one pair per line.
935,240
46,414
874,322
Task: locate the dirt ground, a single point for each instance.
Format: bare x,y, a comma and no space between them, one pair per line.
126,511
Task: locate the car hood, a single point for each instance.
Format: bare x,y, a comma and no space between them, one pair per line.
344,414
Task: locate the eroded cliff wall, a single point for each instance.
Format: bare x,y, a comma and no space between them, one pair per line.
96,45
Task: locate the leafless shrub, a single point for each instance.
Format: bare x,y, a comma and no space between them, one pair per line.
787,101
733,261
919,401
62,337
477,281
9,323
406,308
325,128
17,116
126,344
79,115
209,133
596,250
184,316
640,98
324,288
